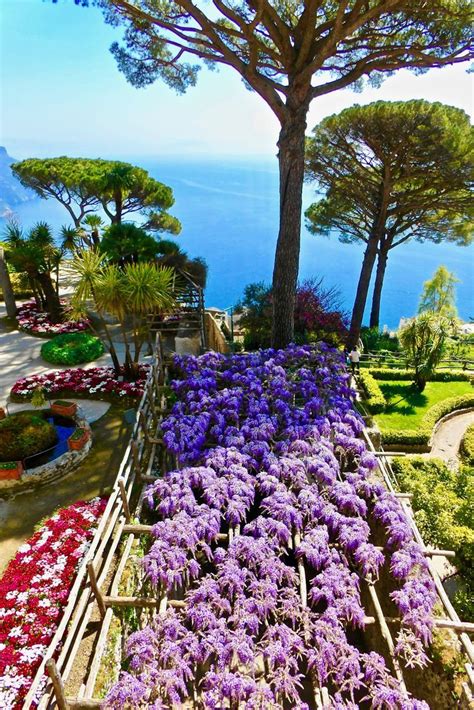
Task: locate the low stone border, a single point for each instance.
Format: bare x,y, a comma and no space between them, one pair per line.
447,417
51,471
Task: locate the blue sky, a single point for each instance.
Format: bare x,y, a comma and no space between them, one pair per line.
62,93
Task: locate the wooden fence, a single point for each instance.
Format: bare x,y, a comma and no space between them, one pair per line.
104,567
398,360
98,565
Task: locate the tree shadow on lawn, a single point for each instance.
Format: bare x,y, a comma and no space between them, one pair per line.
407,393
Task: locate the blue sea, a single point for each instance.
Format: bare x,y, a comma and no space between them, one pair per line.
229,213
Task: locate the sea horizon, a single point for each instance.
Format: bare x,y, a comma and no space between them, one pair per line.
228,208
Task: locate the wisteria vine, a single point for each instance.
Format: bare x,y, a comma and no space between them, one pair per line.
267,531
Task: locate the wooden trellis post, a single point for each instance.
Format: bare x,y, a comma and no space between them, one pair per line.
57,683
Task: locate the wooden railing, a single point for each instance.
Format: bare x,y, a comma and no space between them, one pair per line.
98,563
97,585
398,360
452,621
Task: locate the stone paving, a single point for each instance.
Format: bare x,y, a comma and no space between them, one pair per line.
447,438
20,357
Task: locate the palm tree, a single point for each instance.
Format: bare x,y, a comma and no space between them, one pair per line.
95,223
116,185
36,254
423,340
70,239
130,294
89,266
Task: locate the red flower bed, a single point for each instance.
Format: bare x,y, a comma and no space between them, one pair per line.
32,320
90,382
33,592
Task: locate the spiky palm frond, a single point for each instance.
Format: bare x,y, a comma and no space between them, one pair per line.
147,288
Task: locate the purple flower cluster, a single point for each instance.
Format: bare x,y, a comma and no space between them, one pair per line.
268,533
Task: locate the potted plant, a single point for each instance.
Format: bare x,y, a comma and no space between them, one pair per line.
78,439
63,408
3,413
10,470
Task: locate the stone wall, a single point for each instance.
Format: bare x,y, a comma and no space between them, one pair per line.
49,472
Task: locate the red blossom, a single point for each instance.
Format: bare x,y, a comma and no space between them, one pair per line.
34,590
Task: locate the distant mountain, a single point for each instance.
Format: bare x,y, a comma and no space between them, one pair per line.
12,192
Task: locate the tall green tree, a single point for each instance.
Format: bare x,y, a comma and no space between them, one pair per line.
289,53
439,294
389,172
126,243
82,185
36,254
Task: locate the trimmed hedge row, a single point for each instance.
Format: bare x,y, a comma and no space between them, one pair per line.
467,446
422,435
402,374
443,501
375,400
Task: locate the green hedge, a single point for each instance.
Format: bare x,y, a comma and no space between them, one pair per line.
422,435
72,349
443,501
375,401
467,446
402,374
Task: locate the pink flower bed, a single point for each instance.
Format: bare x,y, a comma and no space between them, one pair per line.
32,320
91,382
34,591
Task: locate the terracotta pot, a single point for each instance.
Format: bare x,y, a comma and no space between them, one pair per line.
76,443
11,470
64,409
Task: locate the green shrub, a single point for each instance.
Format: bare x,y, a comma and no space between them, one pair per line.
24,434
72,349
467,446
422,435
443,501
375,400
374,340
402,374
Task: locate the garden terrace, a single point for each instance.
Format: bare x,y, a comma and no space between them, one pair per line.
273,489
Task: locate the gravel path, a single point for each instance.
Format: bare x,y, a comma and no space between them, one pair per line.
447,438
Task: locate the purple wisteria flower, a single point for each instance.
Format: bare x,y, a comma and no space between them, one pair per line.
268,531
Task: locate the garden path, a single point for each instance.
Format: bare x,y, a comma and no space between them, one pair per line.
20,356
447,438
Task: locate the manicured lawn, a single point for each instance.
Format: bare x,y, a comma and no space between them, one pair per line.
409,407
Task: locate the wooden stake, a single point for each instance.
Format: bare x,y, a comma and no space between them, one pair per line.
301,573
135,455
57,682
123,495
148,479
95,588
140,602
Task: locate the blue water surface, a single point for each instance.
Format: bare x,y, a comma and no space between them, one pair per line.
229,213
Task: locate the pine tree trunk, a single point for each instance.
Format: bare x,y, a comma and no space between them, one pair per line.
285,272
53,304
6,285
362,291
377,295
